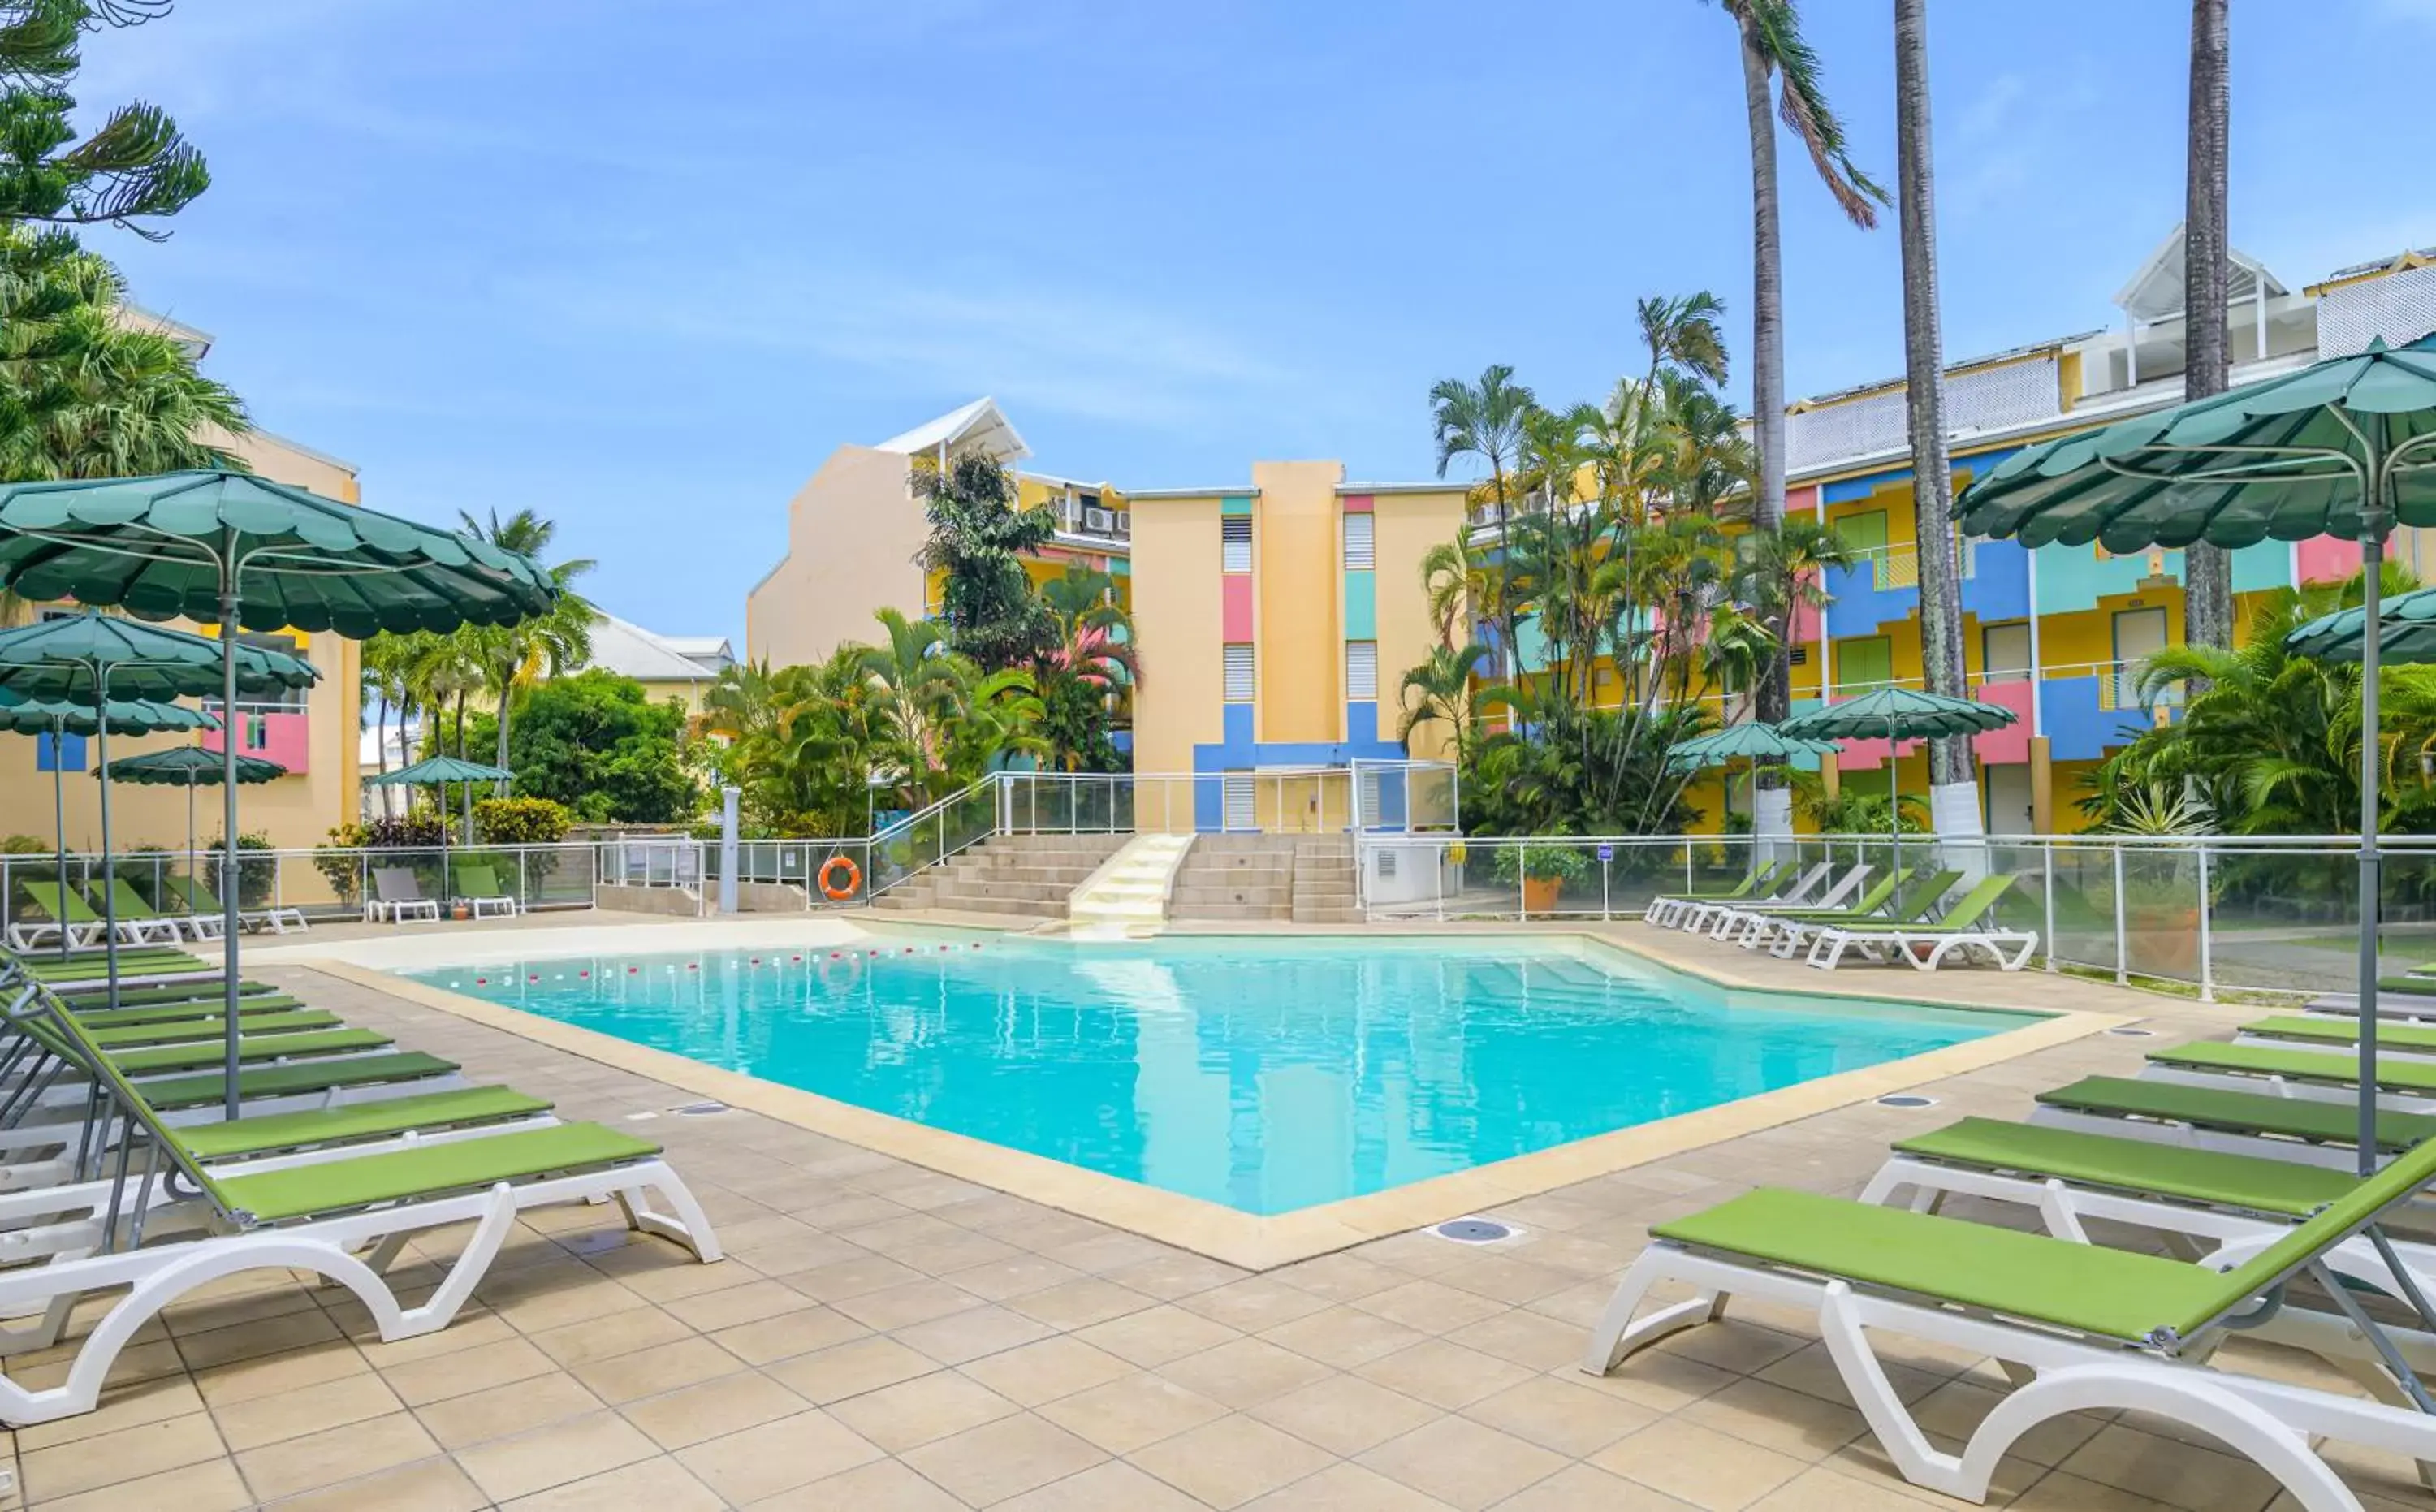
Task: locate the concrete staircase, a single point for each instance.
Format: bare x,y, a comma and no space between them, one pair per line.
1301,878
1129,892
1027,875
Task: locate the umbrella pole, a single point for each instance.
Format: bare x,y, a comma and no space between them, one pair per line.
231,876
2371,863
108,879
60,812
192,876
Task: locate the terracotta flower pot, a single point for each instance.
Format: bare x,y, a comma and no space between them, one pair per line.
1540,893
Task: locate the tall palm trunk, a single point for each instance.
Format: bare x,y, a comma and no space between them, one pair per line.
1774,695
1940,608
2208,570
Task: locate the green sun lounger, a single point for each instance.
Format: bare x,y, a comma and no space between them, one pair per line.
210,989
2245,1182
1667,908
93,964
357,1122
301,1078
2111,1328
197,897
1964,928
129,907
2300,1027
1913,895
2223,1110
183,1031
160,1059
98,1016
2410,1078
1753,921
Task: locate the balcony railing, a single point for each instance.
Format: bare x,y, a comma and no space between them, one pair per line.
1894,568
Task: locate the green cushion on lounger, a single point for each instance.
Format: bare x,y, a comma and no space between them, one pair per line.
2256,1184
383,1119
2113,1292
2415,1077
2340,1032
160,1058
131,963
2407,986
2236,1112
196,1026
261,1006
179,1092
338,1186
209,990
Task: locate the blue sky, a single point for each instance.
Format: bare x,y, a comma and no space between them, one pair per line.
642,266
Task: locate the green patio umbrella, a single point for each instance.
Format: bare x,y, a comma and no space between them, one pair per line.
438,772
2407,632
190,767
90,657
232,549
2344,447
1897,714
58,717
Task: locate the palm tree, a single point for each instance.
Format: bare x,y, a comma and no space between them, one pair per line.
909,675
1484,420
512,658
1932,471
1439,691
1773,49
86,393
2207,272
387,661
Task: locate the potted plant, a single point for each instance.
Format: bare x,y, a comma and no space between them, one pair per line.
2160,893
1542,871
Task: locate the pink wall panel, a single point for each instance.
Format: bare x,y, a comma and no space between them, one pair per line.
1237,608
2328,558
1805,623
287,738
1357,504
1801,500
2012,742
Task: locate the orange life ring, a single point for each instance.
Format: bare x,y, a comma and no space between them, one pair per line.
853,878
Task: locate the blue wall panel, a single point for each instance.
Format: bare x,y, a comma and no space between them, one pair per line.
1999,586
67,755
2078,729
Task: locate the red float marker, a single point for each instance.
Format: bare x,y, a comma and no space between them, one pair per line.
480,982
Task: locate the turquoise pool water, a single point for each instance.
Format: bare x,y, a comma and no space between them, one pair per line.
1265,1075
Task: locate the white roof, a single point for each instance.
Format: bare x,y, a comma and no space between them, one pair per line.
2155,293
978,427
630,650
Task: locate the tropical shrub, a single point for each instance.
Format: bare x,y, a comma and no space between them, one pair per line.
1511,864
258,877
520,821
598,745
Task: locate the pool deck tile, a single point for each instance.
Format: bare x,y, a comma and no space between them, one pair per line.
1093,1357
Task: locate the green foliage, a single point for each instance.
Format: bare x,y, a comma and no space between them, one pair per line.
1569,864
84,391
520,821
23,845
1087,675
1618,547
255,877
979,536
596,743
133,166
2272,746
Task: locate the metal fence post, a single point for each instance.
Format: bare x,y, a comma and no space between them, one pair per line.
2049,873
2122,949
2208,944
1521,883
524,879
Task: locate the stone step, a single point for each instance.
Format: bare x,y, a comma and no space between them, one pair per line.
1192,897
952,890
1327,915
1209,912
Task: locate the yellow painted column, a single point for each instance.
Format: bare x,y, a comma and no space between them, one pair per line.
2042,787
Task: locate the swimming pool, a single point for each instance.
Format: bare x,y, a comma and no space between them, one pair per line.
1265,1075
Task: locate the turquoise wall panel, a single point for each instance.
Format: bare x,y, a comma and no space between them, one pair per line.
2267,565
1361,606
2073,578
1530,647
1231,504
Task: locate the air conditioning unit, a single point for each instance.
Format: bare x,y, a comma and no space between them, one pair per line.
1124,522
1103,521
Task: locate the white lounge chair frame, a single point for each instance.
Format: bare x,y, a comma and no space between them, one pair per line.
2272,1422
1923,950
397,909
1703,914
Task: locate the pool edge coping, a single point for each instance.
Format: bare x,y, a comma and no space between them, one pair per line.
1249,1241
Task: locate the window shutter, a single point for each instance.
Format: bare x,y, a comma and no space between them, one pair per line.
1238,813
1239,674
1235,538
1362,669
1361,554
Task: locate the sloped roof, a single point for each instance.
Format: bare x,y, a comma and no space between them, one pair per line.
2155,293
630,651
978,427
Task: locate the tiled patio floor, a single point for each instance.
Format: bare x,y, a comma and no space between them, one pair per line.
885,1339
